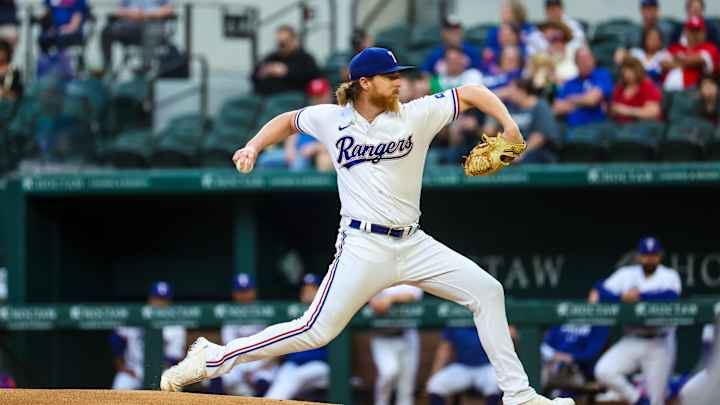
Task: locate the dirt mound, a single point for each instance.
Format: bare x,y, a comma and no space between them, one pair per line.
108,397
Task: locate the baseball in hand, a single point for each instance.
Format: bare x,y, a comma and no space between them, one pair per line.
245,159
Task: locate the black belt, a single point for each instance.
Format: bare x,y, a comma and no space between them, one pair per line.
649,335
400,232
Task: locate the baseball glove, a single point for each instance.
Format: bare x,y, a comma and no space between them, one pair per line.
491,155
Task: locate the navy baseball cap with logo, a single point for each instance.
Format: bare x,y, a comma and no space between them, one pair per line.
311,279
242,282
160,289
649,246
374,61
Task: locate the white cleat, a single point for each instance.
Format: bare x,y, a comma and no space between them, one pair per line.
541,400
189,371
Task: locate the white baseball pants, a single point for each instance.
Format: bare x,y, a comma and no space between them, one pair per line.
126,381
291,379
396,360
366,263
655,357
459,378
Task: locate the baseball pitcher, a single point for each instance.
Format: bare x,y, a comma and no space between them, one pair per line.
379,146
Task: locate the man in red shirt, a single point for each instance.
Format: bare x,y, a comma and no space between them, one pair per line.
635,97
692,60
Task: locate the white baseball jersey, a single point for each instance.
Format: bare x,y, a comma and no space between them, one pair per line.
387,193
629,277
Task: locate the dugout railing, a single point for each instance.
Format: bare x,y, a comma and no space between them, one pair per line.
530,317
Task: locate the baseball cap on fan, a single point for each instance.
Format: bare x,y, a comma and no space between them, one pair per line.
160,289
318,87
374,61
695,23
649,3
649,246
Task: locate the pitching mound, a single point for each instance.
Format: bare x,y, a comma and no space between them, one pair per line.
107,397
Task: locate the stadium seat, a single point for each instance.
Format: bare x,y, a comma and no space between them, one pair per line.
334,64
423,37
280,103
418,57
587,143
128,105
683,104
395,38
477,35
131,149
616,30
250,102
180,142
604,51
712,149
685,140
668,26
635,142
220,144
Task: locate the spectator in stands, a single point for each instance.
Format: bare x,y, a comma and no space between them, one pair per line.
691,60
635,98
360,40
11,85
302,151
288,68
62,24
569,353
252,378
137,22
581,100
535,118
709,99
696,8
128,346
452,143
306,370
540,69
9,22
461,364
452,35
509,69
561,49
413,84
455,74
554,12
508,36
513,30
651,55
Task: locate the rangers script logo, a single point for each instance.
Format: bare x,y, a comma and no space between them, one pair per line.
351,154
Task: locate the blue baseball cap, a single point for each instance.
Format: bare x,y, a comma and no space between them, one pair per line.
242,282
161,289
644,3
374,61
649,246
311,279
